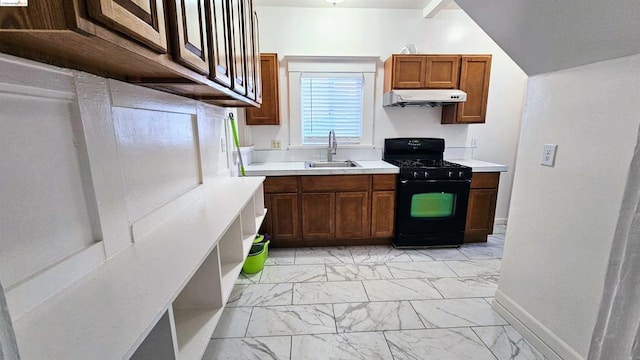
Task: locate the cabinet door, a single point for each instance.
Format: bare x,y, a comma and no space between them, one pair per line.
442,72
250,56
257,59
383,211
318,214
219,35
480,214
239,77
190,35
285,224
139,19
269,112
474,80
409,71
352,215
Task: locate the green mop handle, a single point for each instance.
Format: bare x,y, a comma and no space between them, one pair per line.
237,142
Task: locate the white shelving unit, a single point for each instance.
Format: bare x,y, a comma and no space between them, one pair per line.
162,296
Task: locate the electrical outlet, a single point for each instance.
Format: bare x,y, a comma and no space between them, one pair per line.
275,144
474,142
548,154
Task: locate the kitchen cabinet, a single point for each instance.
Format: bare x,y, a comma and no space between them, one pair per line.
474,80
257,58
318,216
219,35
383,206
352,215
189,24
481,210
269,111
282,201
421,72
142,20
326,210
211,43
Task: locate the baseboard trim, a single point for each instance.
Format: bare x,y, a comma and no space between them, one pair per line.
541,337
501,221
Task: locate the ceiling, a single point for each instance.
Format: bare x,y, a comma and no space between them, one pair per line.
545,36
372,4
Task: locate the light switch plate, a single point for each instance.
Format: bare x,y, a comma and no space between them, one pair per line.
548,154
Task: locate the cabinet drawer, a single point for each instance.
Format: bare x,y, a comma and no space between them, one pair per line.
281,184
384,182
335,183
485,180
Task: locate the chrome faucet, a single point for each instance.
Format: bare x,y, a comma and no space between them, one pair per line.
333,146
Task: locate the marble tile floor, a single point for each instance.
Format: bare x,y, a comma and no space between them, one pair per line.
370,302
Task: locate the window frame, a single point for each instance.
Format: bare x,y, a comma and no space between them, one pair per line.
299,65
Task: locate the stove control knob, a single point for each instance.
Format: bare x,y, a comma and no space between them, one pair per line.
460,173
415,174
426,174
450,174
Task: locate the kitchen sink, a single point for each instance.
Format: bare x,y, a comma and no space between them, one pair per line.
331,164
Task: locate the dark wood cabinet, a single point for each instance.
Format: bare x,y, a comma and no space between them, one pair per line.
211,42
239,79
188,22
330,210
219,35
383,207
142,20
257,60
352,215
318,216
284,221
481,210
269,111
474,80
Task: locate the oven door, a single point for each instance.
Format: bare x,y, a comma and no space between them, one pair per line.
432,210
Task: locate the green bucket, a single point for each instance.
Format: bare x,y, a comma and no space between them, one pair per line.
256,258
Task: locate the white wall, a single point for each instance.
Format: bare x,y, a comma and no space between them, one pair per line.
83,158
563,219
382,32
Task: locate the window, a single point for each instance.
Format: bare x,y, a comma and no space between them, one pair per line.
331,93
331,102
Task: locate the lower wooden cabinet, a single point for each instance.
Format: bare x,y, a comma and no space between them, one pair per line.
383,203
352,215
330,210
283,216
481,210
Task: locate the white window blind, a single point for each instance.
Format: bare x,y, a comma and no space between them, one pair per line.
331,102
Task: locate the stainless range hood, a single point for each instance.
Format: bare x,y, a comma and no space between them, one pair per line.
431,97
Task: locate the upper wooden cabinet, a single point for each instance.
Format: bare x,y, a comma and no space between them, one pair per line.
474,80
269,112
239,80
188,21
140,19
442,71
127,40
257,59
421,72
219,35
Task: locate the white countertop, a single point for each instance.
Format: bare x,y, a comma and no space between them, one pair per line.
481,166
367,167
297,168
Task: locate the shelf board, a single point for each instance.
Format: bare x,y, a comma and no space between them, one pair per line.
194,328
230,273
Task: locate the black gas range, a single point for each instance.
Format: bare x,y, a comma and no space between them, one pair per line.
432,195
